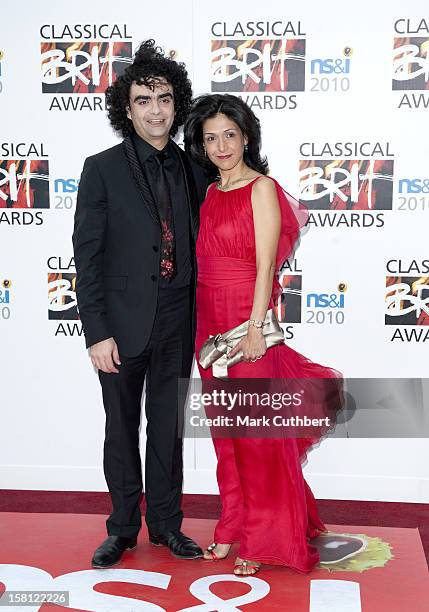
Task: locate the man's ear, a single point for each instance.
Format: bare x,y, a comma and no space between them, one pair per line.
127,108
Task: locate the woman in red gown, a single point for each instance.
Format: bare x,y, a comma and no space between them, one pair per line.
248,229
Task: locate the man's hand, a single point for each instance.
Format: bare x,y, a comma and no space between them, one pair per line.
104,355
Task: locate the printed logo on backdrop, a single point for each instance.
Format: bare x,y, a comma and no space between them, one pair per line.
413,194
407,299
80,61
5,299
288,306
351,181
316,308
62,301
326,307
331,74
411,63
1,70
263,62
65,193
24,183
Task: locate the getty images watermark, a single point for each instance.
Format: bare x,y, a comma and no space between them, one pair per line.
239,400
268,408
305,408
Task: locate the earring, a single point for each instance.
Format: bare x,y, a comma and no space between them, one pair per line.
205,152
246,148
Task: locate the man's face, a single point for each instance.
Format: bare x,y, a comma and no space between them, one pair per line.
152,111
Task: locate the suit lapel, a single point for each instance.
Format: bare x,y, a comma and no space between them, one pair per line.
139,178
144,189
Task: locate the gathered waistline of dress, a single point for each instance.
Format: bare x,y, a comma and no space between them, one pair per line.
225,270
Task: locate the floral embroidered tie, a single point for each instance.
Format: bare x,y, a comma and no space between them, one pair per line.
168,260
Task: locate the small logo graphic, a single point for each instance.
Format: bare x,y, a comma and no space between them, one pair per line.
65,193
345,184
411,64
414,185
332,66
258,65
288,307
77,67
5,291
326,308
413,194
62,301
69,185
325,300
5,299
24,183
407,300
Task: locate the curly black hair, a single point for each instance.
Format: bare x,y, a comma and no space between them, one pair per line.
149,65
207,106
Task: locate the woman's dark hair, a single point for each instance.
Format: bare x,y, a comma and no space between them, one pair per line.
207,106
148,66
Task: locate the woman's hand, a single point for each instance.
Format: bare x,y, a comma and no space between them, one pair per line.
253,345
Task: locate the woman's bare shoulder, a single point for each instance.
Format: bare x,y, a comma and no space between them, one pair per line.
264,186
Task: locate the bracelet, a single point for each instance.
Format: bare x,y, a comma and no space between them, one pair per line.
256,323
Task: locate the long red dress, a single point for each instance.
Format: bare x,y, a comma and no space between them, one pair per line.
266,504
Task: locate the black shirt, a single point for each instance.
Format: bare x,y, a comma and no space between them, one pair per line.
176,183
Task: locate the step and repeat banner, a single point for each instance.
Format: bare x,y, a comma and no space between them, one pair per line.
343,98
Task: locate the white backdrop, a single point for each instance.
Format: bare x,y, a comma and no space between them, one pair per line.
337,69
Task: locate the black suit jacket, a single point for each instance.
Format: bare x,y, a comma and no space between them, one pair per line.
116,243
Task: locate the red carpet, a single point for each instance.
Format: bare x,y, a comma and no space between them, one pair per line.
338,512
385,572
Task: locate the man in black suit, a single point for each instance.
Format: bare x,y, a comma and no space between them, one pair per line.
134,239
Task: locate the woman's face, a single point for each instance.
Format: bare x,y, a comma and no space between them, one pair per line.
223,141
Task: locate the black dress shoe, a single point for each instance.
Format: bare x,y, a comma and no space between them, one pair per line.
111,551
180,545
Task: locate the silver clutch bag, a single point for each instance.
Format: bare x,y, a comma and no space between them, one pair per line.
215,349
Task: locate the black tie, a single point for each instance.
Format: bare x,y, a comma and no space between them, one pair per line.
168,263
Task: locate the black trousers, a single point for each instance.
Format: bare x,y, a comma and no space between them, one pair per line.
166,358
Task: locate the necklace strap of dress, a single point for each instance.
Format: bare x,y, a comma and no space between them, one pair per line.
237,188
